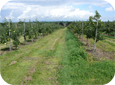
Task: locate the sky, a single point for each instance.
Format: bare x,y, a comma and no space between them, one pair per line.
56,10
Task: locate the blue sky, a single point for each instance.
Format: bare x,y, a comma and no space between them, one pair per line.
56,10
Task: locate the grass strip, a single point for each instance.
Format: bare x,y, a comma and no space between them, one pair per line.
76,68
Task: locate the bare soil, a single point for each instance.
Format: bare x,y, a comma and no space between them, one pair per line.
13,62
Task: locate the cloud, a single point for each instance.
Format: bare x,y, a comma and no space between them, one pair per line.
90,7
100,3
109,9
70,12
52,9
12,5
53,13
22,3
10,16
23,16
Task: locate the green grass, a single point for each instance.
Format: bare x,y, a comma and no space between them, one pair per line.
112,37
5,47
58,58
112,44
21,39
110,40
33,56
106,45
47,74
77,70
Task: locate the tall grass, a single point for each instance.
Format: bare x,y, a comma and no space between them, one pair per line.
76,68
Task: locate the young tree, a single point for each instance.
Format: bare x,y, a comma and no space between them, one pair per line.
82,31
96,17
37,29
24,33
89,28
113,28
78,28
108,27
4,32
9,36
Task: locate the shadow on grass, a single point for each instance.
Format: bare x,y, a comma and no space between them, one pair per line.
22,44
89,50
14,48
7,49
28,40
35,38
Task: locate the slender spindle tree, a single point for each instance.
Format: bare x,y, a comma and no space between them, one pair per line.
96,17
9,37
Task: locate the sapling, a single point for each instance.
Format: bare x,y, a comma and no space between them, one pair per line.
9,37
24,33
96,17
88,29
82,31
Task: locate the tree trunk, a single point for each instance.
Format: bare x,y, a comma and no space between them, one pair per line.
24,33
16,25
87,42
79,36
32,39
37,32
0,48
114,34
9,38
95,37
82,31
42,35
32,33
114,28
